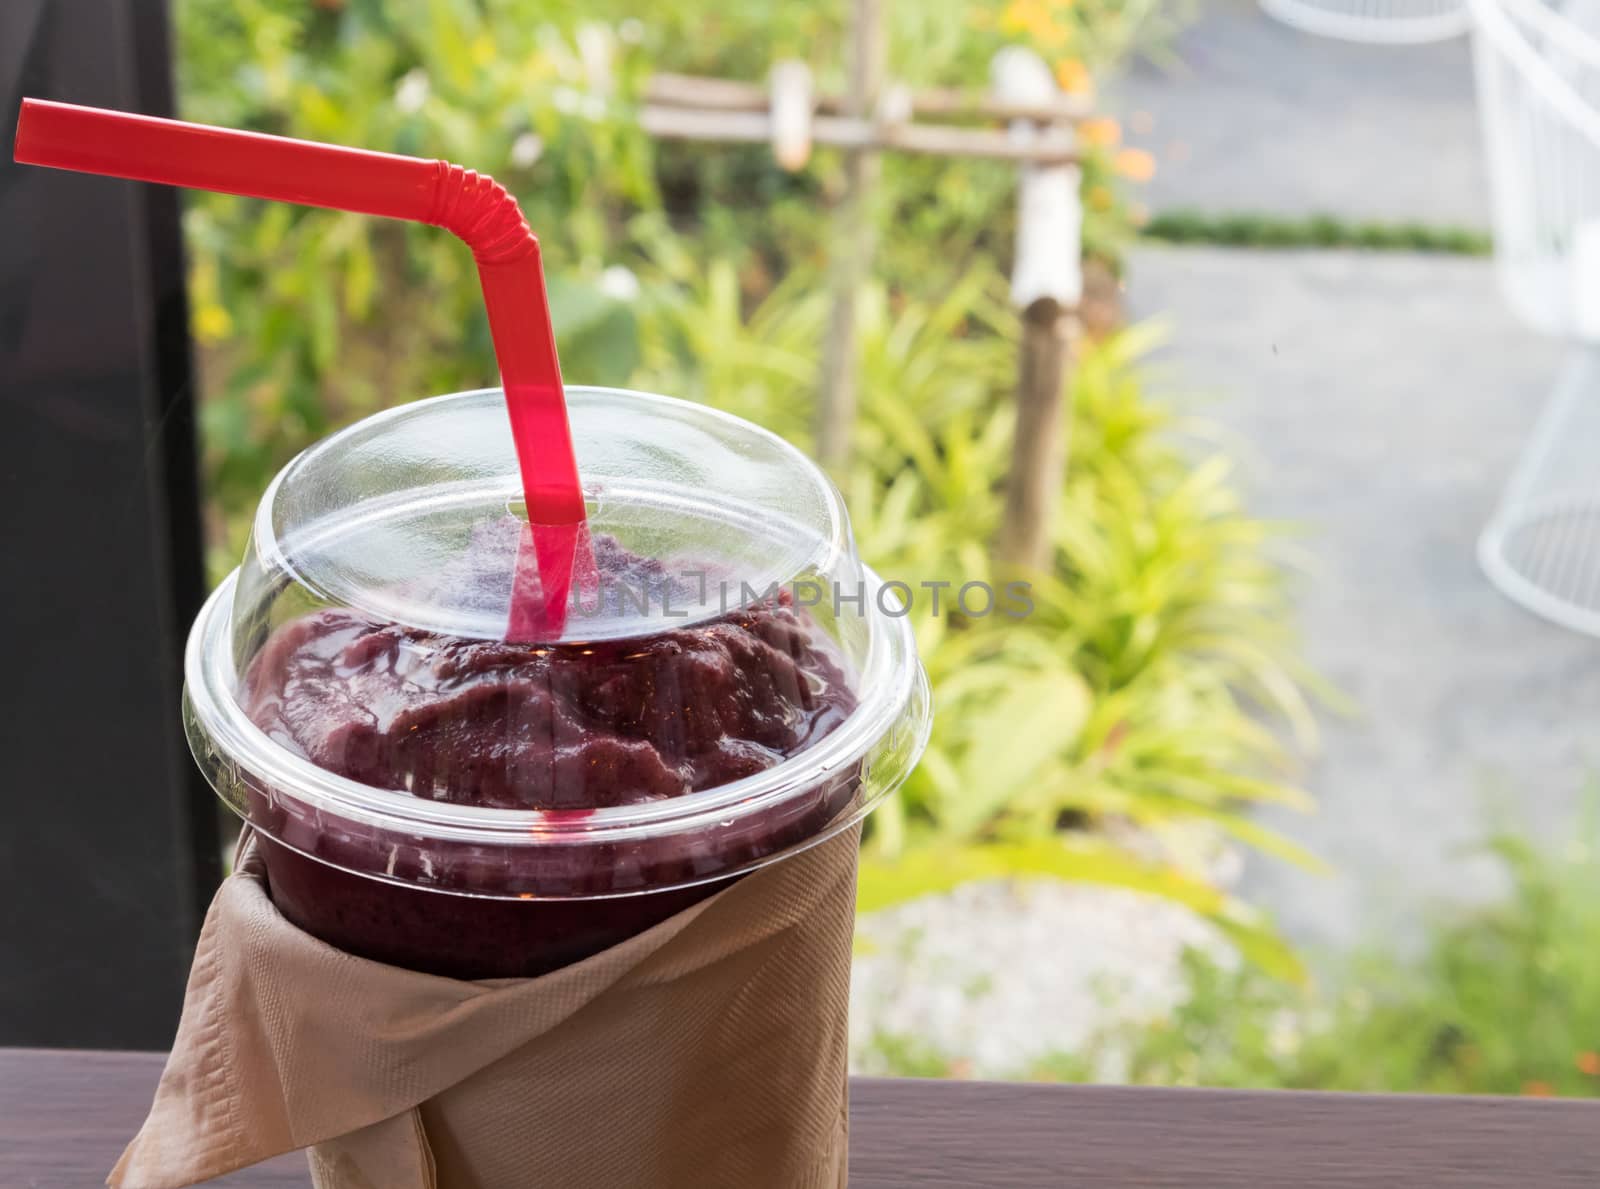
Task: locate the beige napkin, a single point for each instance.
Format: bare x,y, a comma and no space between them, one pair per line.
708,1051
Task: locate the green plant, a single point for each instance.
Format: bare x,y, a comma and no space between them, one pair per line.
1132,692
907,1056
964,205
308,319
1503,999
1126,696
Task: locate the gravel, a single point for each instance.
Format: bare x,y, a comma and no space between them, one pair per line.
991,978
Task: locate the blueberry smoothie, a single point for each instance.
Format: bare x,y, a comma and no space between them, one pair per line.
563,728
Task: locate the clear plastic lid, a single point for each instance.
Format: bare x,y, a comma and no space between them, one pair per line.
729,684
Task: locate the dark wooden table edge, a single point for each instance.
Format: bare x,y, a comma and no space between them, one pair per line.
65,1114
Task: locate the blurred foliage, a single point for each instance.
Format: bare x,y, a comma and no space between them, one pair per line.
966,206
1503,999
1135,690
309,319
1132,694
313,318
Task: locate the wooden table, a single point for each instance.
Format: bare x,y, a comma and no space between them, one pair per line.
65,1114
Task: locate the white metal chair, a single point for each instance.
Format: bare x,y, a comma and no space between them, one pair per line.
1538,69
1380,22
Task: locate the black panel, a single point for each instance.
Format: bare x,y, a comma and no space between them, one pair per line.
108,838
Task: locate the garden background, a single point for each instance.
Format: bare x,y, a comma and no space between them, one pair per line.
1124,739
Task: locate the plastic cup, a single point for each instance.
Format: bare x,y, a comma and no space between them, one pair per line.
732,685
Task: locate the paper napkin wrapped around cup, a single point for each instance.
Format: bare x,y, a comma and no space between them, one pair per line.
707,1051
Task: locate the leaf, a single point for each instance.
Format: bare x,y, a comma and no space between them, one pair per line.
1266,949
322,323
931,870
1037,717
360,280
888,825
450,28
1155,807
598,335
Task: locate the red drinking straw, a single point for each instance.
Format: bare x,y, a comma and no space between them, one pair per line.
475,207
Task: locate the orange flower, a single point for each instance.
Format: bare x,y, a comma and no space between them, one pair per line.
1072,76
1589,1063
1538,1089
1102,132
1135,164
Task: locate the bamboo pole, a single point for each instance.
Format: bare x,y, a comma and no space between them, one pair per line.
1039,450
1047,283
697,91
1053,146
854,239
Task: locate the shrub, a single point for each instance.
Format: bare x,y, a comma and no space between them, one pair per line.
1320,231
1127,696
1503,999
1133,693
309,319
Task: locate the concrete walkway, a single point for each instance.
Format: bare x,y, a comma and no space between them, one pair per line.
1380,401
1252,116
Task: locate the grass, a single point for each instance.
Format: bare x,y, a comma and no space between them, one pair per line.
1503,999
1315,231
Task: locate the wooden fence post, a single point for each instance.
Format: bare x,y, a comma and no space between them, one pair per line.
854,239
1046,284
871,118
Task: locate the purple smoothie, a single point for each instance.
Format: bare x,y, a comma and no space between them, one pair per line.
568,728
